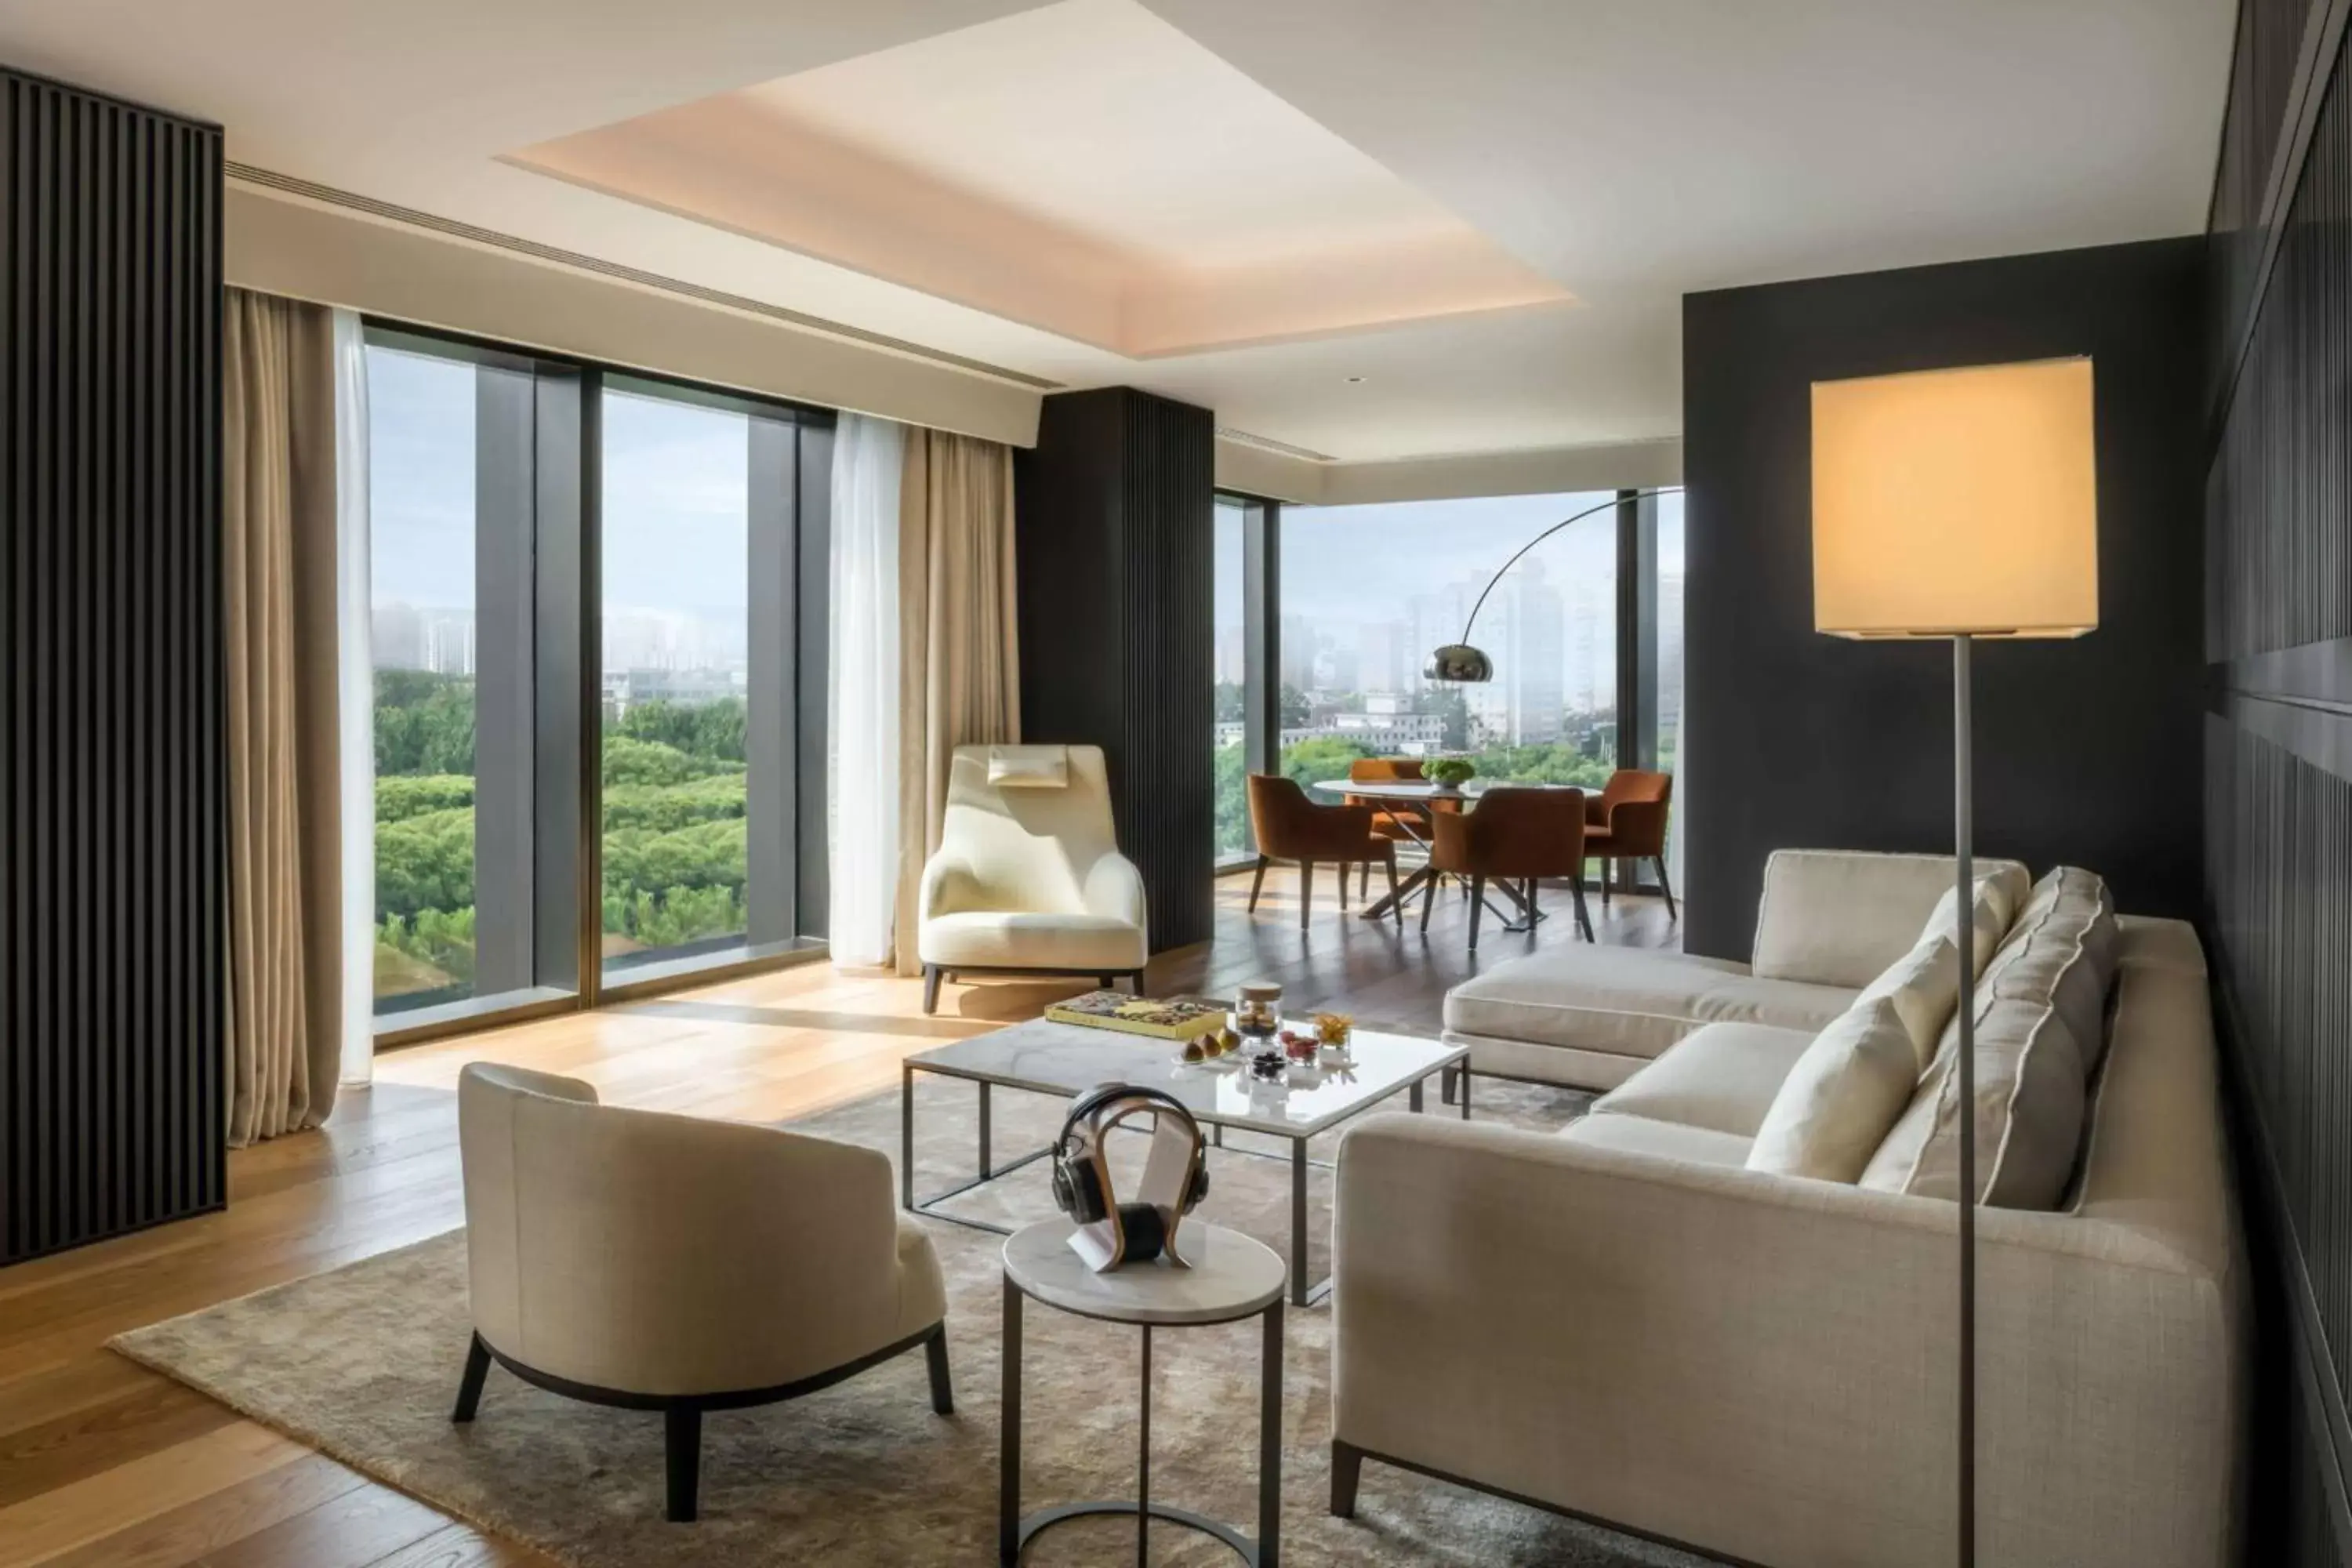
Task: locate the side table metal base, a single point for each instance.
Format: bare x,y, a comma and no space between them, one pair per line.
1046,1518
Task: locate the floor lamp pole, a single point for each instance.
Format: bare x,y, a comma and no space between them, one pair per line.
1964,832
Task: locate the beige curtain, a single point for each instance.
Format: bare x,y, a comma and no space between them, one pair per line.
277,522
958,654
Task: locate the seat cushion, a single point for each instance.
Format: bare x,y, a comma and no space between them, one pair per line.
1627,1002
1723,1077
1670,1140
1023,940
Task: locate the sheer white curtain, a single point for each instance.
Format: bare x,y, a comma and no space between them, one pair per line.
863,701
356,685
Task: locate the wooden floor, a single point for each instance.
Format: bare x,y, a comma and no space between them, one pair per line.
104,1463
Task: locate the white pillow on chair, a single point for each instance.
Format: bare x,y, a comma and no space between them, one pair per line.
1844,1095
1029,767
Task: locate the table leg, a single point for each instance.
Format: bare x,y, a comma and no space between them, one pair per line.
907,1138
1143,1464
987,1160
1413,1097
1008,1484
1403,891
1462,1085
1298,1221
1269,1446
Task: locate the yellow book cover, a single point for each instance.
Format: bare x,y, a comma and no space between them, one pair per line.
1139,1014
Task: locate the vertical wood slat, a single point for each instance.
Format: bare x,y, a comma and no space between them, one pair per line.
2278,847
112,789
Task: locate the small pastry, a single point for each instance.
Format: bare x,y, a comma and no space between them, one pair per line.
1194,1051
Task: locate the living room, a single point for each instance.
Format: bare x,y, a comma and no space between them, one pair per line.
1164,780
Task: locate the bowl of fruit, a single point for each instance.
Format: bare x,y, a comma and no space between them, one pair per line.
1218,1048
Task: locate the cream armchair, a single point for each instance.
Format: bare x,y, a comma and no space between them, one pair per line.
670,1263
1028,878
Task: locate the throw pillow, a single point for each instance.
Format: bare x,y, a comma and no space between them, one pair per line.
1841,1098
1925,986
1990,912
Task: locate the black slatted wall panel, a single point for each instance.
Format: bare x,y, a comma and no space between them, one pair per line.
2278,748
1117,558
111,783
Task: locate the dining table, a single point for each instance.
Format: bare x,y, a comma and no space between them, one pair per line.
1421,800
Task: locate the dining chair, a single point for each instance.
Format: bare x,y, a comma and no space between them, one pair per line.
1626,824
1386,820
1289,827
1515,836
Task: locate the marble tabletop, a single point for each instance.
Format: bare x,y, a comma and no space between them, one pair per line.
1069,1058
1232,1276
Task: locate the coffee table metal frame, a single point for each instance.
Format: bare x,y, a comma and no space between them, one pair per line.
1016,1531
1454,1064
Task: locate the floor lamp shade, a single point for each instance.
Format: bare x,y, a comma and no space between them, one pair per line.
1951,502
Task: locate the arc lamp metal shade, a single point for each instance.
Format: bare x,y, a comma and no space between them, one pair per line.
1953,503
1458,661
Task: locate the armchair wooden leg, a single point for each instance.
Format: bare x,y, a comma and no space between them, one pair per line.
1257,882
935,1351
1306,889
682,1453
1584,917
1343,887
1347,1469
1394,903
1364,883
469,1386
1666,887
931,988
1428,900
1605,864
1478,908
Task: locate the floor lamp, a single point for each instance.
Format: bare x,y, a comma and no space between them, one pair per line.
1957,504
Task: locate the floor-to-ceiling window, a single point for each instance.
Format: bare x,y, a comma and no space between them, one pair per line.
675,678
1233,675
1670,659
422,553
1369,591
598,715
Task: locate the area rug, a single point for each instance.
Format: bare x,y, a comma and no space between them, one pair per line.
363,1363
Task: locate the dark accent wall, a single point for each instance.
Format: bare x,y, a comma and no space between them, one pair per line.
112,1114
2278,741
1116,555
2085,751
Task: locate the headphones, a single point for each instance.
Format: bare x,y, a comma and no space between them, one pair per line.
1078,1168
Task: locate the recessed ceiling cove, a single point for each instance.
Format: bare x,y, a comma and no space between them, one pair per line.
1083,168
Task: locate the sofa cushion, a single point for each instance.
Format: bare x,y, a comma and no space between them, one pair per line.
1995,906
2032,1067
1669,1139
1722,1077
1845,1091
1627,1002
1839,917
1924,985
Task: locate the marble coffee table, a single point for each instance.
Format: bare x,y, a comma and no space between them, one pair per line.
1066,1059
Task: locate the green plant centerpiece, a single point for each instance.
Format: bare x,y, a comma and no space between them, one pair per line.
1452,773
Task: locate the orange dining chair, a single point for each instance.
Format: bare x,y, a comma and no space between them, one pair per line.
1289,827
1517,836
1626,822
1386,822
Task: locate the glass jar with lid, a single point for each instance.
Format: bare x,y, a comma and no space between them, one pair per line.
1257,1011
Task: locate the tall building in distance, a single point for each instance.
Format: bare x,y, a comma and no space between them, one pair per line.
1533,659
413,636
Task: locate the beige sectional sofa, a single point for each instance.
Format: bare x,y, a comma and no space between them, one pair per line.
1625,1321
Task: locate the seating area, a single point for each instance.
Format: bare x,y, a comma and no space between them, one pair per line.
1344,786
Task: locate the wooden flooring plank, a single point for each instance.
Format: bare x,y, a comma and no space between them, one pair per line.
73,1516
184,1534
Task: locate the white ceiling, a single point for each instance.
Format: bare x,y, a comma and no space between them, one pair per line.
1625,153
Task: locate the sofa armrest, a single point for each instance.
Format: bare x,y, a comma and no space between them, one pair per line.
947,886
1115,888
1763,1365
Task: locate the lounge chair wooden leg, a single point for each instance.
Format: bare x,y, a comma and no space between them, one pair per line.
1583,918
1394,902
1666,888
1429,898
469,1386
1364,883
1257,882
935,1352
1343,887
682,1450
1605,864
931,988
1306,889
1478,908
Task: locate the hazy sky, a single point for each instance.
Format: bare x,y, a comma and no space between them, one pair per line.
675,536
1350,565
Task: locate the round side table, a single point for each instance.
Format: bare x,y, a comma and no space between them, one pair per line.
1233,1278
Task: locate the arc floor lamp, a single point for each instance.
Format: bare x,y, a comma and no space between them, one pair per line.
1462,662
1959,504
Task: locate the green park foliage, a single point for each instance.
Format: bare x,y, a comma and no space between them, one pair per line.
675,853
